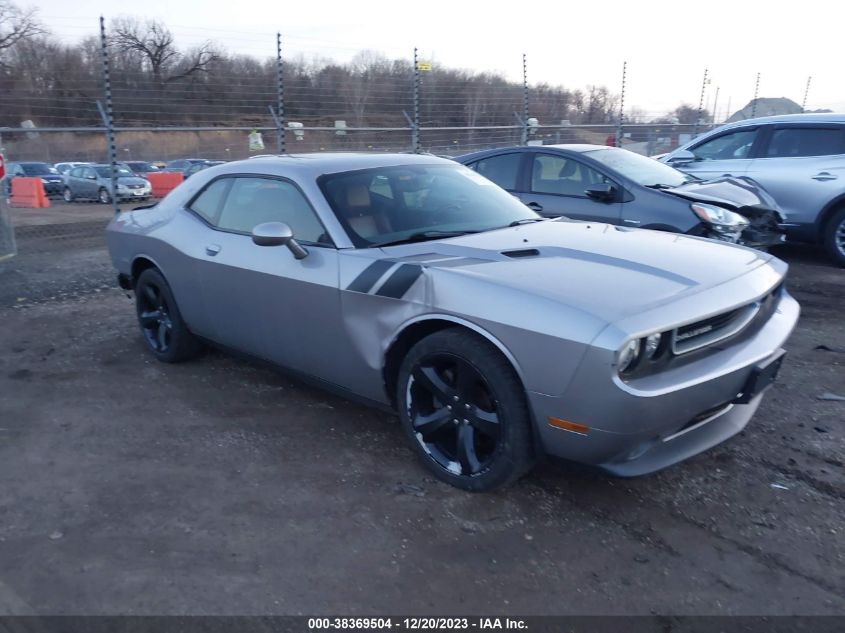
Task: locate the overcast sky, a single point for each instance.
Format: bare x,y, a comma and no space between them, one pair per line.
667,44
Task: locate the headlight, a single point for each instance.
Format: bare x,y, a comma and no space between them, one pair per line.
122,188
720,220
628,356
45,181
635,357
652,344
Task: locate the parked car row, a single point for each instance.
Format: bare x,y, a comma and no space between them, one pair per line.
76,180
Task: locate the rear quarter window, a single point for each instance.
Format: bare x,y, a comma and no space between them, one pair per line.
797,142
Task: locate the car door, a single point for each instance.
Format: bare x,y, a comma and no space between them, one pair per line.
803,168
88,183
262,300
726,154
557,186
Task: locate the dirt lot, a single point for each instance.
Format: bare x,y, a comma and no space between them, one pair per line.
222,487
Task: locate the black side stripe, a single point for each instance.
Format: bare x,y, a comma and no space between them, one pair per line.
400,281
370,275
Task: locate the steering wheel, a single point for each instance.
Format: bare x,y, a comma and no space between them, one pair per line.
445,212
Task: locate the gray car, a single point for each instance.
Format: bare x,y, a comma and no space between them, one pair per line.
609,184
798,158
93,182
413,283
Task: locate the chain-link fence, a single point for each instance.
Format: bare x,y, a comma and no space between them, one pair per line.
131,94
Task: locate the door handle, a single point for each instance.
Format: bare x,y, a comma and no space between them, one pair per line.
535,206
212,249
824,175
727,175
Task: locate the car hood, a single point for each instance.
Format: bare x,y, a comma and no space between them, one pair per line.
608,271
132,180
735,193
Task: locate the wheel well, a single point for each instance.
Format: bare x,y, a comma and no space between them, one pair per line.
412,335
824,217
409,337
140,265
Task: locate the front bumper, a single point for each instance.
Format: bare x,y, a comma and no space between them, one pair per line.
639,429
54,188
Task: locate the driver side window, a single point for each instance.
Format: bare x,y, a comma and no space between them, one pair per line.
734,145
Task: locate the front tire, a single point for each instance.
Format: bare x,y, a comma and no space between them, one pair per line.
103,196
67,194
834,237
165,332
464,411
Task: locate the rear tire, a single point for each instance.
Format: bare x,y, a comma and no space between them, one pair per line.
834,237
465,412
165,332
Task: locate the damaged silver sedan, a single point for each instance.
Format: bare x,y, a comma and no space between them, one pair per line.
415,284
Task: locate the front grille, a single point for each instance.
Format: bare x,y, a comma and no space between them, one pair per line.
693,336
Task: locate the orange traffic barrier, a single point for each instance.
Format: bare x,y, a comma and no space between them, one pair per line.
164,182
28,193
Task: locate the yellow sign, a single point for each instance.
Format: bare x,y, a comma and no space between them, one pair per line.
424,67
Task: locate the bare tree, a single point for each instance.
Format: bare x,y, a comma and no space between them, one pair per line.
17,25
153,45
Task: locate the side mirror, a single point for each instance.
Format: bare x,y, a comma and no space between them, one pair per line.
277,234
682,157
604,192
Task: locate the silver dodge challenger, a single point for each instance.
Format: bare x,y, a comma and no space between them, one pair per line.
415,284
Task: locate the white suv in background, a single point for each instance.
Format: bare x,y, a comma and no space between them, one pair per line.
798,158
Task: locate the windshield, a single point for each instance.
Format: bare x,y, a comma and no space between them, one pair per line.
142,167
37,169
393,203
105,172
642,170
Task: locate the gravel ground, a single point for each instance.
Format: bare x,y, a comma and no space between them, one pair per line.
222,487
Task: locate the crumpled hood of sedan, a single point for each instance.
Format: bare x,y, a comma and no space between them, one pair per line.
607,271
728,191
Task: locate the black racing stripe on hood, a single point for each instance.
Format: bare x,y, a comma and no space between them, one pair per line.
370,275
400,281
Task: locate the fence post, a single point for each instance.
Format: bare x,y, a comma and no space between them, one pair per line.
806,92
107,114
700,105
415,126
715,106
754,102
524,100
621,107
280,97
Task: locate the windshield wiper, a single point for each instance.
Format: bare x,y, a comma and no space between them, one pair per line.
422,236
525,221
659,185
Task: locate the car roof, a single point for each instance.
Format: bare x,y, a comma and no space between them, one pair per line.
316,164
580,147
809,117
